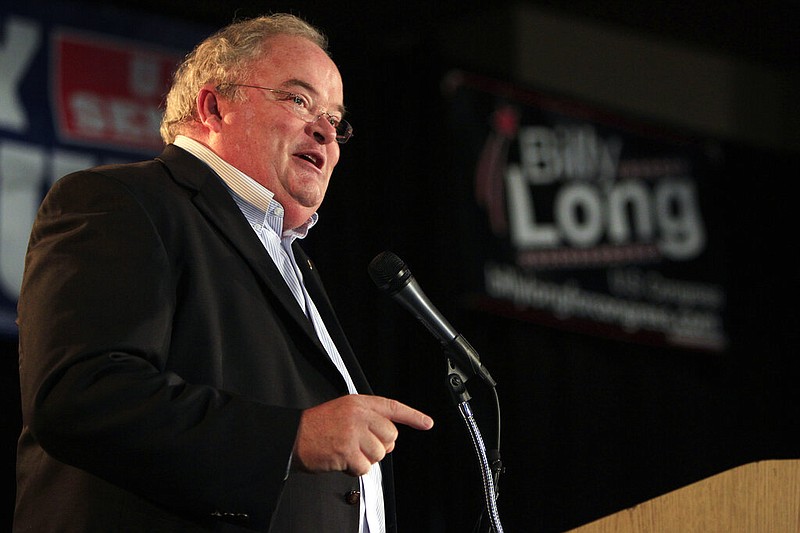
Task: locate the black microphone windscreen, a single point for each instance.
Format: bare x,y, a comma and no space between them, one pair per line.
389,272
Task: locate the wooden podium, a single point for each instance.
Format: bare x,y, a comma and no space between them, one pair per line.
760,497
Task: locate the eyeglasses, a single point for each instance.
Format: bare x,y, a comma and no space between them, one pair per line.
303,108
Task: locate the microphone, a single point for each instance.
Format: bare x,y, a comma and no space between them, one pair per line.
392,276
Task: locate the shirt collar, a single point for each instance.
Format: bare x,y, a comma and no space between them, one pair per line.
246,188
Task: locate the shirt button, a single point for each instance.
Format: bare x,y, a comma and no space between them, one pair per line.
352,497
279,211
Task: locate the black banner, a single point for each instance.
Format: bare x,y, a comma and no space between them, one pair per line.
592,222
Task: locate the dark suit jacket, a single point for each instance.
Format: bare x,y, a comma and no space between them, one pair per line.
164,364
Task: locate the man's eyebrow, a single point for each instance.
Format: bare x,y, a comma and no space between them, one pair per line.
294,82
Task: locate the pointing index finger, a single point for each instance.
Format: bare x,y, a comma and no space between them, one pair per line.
403,414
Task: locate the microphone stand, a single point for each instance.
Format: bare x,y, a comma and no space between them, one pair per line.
457,384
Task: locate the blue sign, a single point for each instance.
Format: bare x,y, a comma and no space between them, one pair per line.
80,86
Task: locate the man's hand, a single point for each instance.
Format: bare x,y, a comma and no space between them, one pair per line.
351,433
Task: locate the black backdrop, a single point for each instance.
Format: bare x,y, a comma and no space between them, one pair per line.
590,425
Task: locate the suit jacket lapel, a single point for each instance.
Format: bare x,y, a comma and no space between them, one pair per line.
315,288
215,203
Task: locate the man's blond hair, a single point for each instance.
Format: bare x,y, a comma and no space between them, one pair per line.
225,57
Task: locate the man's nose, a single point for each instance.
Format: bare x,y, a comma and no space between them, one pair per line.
323,130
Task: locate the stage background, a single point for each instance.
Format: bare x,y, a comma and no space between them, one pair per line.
594,419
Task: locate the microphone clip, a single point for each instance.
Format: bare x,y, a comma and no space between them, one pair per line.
457,382
460,352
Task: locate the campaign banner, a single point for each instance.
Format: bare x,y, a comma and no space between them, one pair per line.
589,221
108,92
81,85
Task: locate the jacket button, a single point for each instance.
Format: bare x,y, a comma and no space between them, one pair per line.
352,497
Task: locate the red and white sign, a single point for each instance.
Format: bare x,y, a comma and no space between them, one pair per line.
109,92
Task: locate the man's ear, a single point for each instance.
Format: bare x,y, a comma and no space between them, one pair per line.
208,112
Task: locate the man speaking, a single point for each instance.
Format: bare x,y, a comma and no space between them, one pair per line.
181,367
